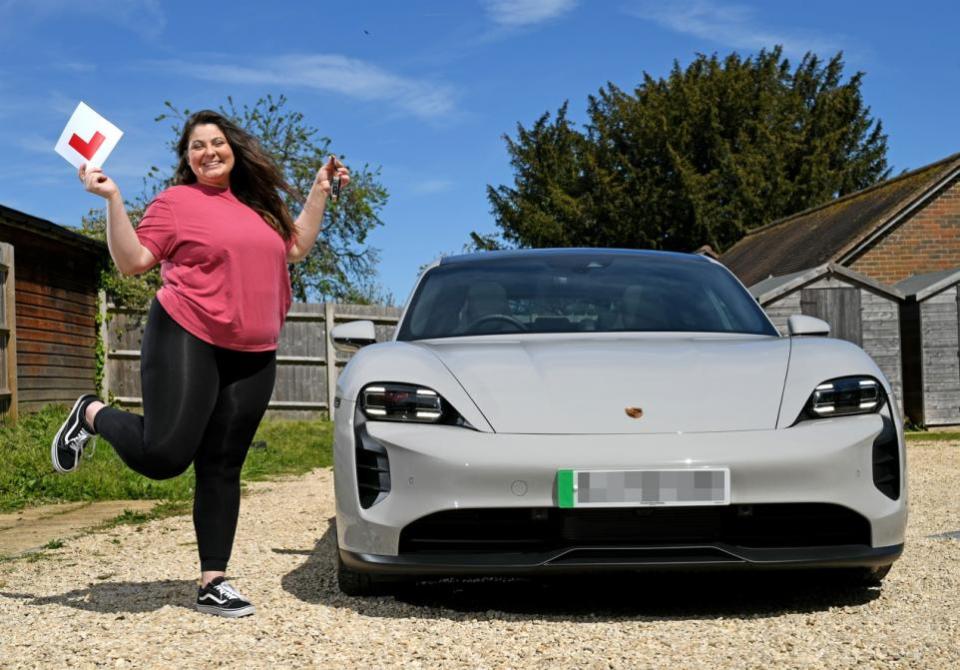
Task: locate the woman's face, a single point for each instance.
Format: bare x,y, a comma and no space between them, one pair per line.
210,155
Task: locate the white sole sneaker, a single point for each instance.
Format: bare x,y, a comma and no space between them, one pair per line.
71,428
229,613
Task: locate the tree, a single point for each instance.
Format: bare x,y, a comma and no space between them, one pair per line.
699,157
341,266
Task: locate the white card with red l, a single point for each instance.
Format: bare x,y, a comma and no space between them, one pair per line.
88,138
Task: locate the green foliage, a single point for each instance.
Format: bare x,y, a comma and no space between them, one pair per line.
124,291
341,266
293,448
699,157
27,477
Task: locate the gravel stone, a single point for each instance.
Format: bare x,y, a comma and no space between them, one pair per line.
123,598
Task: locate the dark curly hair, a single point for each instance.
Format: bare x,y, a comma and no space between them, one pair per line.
255,180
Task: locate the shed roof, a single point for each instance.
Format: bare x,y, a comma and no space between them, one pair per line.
921,287
771,288
837,230
44,228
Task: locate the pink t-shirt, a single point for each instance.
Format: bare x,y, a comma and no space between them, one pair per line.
224,268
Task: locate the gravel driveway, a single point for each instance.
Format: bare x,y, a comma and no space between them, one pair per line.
124,597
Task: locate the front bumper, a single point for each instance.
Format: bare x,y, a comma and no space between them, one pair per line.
437,468
685,557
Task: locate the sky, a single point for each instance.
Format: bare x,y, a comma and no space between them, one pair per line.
424,90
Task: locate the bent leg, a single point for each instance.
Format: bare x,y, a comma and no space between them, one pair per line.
179,381
246,383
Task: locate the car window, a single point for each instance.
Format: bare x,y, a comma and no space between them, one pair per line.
580,293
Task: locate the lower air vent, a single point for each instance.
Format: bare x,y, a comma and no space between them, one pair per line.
543,529
886,460
373,469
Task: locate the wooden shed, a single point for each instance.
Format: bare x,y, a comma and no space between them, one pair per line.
930,328
857,308
48,307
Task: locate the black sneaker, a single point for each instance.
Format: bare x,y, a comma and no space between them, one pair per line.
67,446
219,598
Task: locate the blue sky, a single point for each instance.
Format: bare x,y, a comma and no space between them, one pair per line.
425,89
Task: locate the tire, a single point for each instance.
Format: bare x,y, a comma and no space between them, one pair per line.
872,576
861,577
361,584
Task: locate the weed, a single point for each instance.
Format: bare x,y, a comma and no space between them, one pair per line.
54,544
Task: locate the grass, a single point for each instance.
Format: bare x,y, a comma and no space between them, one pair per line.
27,477
932,436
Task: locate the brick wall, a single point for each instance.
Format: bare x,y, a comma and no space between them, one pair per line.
927,242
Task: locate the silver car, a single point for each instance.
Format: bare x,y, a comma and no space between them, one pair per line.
574,410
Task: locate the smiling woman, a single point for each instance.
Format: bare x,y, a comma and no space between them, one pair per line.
210,156
208,360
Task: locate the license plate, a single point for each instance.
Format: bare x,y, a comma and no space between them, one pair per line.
638,488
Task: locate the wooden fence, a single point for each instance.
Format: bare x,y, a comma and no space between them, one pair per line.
8,335
305,379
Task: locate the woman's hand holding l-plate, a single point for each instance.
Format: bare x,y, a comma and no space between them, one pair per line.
98,183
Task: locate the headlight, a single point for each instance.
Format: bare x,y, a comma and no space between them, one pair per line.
408,403
844,396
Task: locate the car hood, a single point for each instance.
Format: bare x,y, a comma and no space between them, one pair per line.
584,385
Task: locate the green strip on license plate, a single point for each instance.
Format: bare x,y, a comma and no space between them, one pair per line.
565,494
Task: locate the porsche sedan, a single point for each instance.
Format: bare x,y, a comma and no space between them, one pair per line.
542,411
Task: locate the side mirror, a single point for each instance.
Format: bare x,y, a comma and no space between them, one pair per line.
350,336
801,324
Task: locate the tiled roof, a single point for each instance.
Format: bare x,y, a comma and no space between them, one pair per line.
827,232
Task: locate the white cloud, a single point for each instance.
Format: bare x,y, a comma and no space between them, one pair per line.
729,24
144,17
76,66
34,143
430,186
329,72
518,13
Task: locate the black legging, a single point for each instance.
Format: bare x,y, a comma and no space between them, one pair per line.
201,404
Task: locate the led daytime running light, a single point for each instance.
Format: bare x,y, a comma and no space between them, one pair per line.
402,402
845,396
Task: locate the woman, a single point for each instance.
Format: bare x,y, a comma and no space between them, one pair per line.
223,237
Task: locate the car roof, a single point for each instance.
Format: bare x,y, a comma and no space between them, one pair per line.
574,251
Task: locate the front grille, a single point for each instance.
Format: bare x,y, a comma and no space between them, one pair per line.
549,528
373,469
886,460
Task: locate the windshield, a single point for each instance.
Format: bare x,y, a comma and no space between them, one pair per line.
586,292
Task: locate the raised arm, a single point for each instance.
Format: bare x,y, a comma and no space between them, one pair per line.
308,223
131,257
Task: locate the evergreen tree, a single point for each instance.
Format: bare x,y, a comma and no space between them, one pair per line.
699,157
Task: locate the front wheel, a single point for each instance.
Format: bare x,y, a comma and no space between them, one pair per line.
873,576
361,584
863,577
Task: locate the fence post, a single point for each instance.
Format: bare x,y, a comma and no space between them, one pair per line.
8,328
331,356
104,334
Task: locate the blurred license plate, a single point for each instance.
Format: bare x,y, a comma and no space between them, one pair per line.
628,488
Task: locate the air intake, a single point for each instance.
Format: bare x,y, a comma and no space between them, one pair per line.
373,469
886,460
